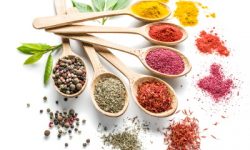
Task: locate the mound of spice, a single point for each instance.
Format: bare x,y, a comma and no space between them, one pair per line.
165,32
211,42
216,84
69,74
165,61
110,94
154,96
187,12
150,9
183,135
126,140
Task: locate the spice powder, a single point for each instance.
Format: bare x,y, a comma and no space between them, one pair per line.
110,94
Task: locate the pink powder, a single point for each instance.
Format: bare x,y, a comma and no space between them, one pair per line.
216,84
165,61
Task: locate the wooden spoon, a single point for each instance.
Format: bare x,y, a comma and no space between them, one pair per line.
141,54
136,79
99,73
61,9
144,31
62,20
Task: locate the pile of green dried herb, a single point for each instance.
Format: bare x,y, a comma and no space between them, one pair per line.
110,94
126,140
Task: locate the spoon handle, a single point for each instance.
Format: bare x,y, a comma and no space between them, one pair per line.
82,29
60,6
101,42
110,57
62,20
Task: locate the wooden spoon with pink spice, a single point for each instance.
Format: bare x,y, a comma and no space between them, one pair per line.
160,60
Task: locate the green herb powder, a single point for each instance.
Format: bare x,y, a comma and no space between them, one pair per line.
110,94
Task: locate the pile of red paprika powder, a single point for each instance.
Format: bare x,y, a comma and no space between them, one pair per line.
154,96
165,32
211,42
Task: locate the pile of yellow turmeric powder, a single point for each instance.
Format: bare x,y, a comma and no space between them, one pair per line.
187,12
150,10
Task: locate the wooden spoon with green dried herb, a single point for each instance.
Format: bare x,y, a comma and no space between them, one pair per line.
108,93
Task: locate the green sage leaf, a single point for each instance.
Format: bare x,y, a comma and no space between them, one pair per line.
32,48
48,69
99,5
121,4
34,58
110,4
82,7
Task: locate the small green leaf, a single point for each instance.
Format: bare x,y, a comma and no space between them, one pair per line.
37,46
121,4
34,58
99,5
110,4
82,7
48,69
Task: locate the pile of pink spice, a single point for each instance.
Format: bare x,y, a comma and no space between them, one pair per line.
216,84
165,61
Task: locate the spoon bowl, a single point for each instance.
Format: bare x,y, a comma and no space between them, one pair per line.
187,64
95,81
143,79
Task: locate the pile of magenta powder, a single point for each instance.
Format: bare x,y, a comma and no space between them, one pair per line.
165,61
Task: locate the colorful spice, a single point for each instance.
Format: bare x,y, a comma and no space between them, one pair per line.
187,13
165,61
211,42
69,74
46,133
124,140
183,135
154,96
165,32
110,94
216,84
150,10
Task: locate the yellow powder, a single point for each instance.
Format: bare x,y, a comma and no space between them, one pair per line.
150,10
187,13
163,1
211,15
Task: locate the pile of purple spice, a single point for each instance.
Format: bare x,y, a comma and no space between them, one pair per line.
165,61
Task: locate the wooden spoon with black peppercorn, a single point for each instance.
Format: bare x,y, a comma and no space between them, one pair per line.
78,77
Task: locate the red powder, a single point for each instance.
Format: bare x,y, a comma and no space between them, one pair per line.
165,61
165,32
154,96
215,84
209,43
183,135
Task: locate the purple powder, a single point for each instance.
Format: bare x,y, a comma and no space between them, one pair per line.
216,84
165,61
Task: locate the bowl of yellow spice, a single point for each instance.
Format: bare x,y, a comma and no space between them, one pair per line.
150,11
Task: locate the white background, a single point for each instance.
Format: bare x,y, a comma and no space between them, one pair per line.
22,128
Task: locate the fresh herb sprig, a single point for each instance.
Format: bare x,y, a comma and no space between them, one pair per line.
101,5
37,50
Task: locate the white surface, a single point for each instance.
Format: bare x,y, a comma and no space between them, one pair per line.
22,128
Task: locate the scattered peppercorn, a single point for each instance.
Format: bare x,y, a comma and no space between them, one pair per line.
65,99
57,102
84,144
48,110
66,144
41,111
46,133
88,141
28,105
45,99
